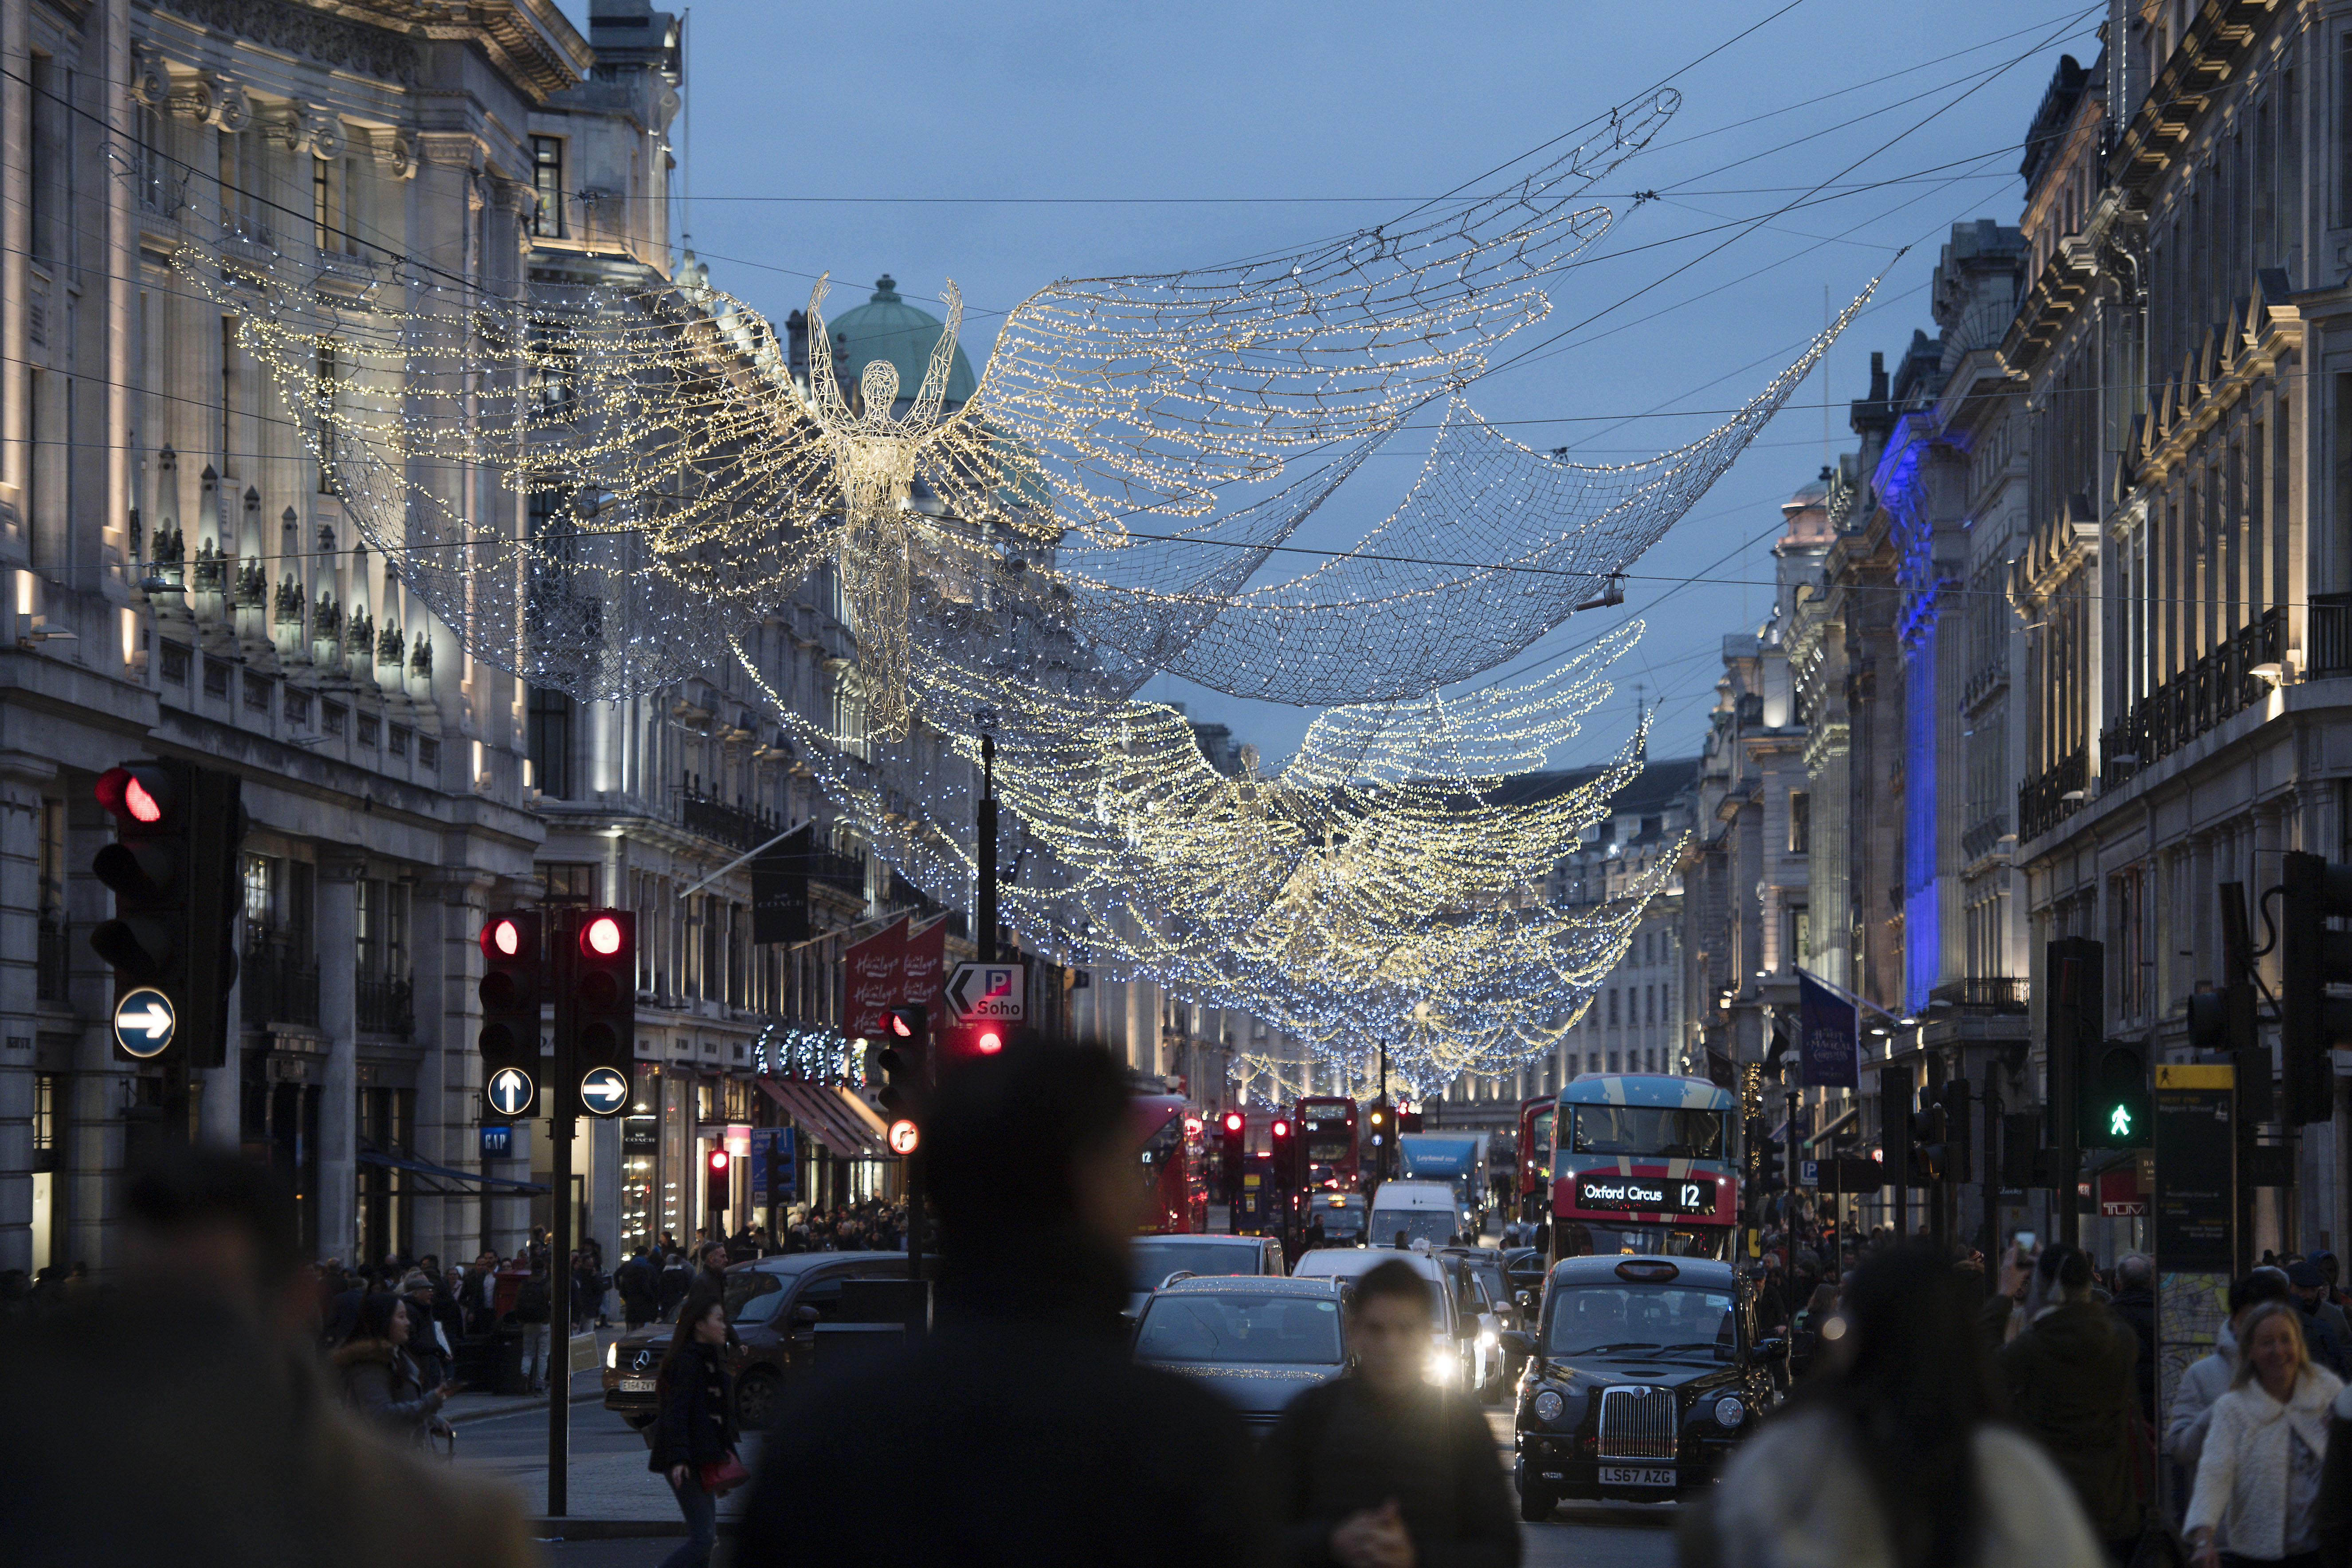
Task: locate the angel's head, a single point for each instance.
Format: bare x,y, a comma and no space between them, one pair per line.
878,384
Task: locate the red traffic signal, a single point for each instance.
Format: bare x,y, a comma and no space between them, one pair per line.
718,1159
139,793
502,938
1281,1129
905,1023
510,991
596,991
714,1184
1232,1123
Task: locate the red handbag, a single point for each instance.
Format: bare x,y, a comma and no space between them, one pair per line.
720,1477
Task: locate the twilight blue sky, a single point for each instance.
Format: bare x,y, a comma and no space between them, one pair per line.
1082,140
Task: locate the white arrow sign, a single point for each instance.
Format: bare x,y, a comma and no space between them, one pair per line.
995,992
509,1091
145,1022
603,1091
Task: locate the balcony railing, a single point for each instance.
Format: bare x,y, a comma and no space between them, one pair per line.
2044,803
729,824
279,986
2331,634
1982,993
387,1005
2204,696
847,872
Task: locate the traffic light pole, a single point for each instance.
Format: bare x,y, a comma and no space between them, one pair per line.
984,915
558,1070
559,1292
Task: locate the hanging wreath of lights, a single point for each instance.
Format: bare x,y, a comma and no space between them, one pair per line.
605,489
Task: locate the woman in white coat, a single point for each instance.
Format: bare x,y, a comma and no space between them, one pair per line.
2258,1479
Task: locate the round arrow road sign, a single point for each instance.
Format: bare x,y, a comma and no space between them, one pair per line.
604,1091
510,1091
145,1022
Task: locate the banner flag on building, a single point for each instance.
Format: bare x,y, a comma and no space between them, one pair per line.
780,888
1830,1030
923,975
872,974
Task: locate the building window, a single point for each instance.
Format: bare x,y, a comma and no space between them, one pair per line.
1801,821
547,179
1613,1006
333,714
572,881
330,196
216,678
257,693
369,729
1800,936
175,664
550,737
298,707
260,893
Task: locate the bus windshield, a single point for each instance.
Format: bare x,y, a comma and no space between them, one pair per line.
1665,1130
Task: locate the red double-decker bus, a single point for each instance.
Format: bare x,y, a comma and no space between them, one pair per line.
1531,1197
1327,1135
1169,1148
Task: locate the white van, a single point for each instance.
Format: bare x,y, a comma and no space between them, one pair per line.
1458,1352
1423,1211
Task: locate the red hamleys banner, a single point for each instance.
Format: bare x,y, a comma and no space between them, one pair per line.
923,977
872,974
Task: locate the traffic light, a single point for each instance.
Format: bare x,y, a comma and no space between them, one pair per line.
1930,1153
714,1183
2118,1105
1959,1165
2076,1018
1284,1142
1894,1126
510,996
905,1059
596,993
1770,1174
2312,958
982,1037
173,870
1229,1157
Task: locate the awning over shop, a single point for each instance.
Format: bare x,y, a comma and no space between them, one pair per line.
829,1116
470,1184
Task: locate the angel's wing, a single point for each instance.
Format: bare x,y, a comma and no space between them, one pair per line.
1146,392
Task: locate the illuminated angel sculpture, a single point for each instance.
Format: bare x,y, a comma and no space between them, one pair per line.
1139,444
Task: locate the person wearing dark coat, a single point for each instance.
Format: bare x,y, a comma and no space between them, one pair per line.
2135,1303
381,1379
676,1277
640,1283
1020,1425
1380,1467
2069,1374
696,1422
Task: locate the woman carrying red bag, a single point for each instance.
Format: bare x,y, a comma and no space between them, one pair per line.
694,1436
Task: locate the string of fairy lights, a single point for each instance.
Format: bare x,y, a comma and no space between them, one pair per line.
609,487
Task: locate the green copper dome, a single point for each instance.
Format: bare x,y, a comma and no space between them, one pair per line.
887,328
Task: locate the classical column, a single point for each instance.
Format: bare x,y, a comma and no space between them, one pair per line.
339,1101
22,777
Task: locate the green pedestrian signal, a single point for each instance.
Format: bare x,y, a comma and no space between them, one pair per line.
2117,1096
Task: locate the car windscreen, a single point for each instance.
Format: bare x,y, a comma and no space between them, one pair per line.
1664,1132
1146,1266
1436,1227
1636,1319
1231,1326
751,1298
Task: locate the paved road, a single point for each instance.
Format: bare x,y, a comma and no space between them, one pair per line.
609,1480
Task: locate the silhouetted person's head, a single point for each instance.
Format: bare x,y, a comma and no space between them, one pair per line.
1390,1320
1030,1160
211,1228
1905,1366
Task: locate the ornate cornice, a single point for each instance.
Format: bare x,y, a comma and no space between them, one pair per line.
314,33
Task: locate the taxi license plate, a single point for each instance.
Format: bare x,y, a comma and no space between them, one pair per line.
636,1385
1637,1475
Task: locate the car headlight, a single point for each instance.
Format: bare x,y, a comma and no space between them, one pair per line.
1441,1367
612,1356
1549,1404
1729,1411
1488,1338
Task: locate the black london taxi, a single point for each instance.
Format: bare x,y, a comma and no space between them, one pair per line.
1641,1373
